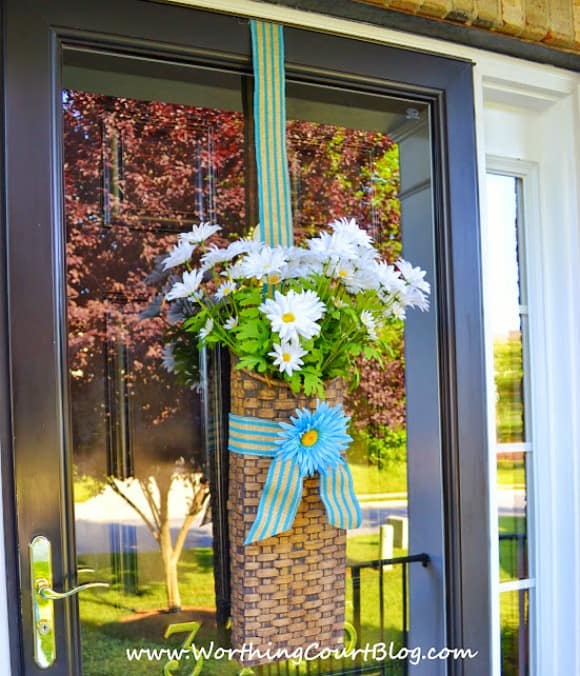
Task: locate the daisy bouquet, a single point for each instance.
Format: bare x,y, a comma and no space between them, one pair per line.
301,314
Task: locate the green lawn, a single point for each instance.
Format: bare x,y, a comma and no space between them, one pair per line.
368,479
107,633
512,603
392,478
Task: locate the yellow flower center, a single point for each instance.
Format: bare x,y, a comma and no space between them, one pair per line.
227,290
286,356
288,317
343,273
309,438
274,278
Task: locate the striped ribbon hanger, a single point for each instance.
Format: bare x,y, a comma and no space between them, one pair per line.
274,198
283,488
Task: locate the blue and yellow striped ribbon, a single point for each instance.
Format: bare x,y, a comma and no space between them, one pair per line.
274,196
284,483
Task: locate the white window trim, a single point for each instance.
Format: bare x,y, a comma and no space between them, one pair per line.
547,159
531,267
554,95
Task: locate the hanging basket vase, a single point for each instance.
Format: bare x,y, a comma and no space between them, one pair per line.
288,589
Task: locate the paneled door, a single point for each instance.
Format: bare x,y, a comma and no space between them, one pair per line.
127,122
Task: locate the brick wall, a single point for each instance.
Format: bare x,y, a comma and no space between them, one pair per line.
552,22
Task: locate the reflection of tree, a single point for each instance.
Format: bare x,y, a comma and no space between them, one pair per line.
339,172
156,490
136,173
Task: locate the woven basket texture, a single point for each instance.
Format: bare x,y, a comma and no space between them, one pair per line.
288,591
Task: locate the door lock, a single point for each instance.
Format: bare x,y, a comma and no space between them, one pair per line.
43,597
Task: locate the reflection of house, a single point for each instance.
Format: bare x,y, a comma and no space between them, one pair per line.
384,107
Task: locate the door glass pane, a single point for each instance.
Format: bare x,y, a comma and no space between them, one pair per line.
148,151
138,170
345,162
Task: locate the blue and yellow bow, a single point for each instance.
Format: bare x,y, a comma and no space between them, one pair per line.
312,442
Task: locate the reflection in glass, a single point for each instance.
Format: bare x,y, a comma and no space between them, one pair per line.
511,491
505,312
136,172
508,317
514,622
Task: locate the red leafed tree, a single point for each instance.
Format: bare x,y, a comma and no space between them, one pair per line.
136,173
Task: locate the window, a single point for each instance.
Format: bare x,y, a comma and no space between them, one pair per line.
508,308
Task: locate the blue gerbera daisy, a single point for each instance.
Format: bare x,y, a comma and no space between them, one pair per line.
314,439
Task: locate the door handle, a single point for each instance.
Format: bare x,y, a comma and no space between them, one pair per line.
44,590
43,597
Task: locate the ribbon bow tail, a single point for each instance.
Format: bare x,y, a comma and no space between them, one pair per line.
279,502
339,498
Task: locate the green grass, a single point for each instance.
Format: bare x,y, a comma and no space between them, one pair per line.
510,559
511,551
392,478
103,612
513,605
106,635
368,479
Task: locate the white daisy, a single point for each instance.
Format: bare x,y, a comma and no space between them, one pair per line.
236,271
216,255
413,297
413,276
343,270
225,289
363,279
348,231
264,262
294,314
330,248
207,329
180,254
187,288
396,310
230,323
168,359
370,322
199,233
301,263
389,278
288,356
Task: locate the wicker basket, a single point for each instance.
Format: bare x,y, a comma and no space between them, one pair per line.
287,590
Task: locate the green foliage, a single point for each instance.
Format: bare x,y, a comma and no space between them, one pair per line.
85,486
344,337
385,447
508,366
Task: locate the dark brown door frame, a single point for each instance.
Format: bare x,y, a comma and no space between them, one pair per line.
32,316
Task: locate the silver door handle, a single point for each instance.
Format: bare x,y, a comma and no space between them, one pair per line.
43,597
44,590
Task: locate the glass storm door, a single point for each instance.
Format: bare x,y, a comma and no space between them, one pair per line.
120,471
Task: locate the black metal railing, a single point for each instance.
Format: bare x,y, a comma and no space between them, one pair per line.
347,666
